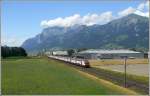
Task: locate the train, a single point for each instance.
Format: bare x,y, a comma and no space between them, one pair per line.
75,61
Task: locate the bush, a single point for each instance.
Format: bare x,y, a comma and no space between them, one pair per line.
12,51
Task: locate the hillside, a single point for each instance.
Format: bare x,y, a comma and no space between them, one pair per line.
127,32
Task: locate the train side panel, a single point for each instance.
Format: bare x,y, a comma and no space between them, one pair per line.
78,62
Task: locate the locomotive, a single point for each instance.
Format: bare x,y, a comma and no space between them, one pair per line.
75,61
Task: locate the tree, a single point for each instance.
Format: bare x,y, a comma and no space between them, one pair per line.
133,49
12,51
81,49
70,52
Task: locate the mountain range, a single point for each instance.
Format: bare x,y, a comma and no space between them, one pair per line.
131,31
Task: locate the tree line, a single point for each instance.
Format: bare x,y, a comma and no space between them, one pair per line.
72,51
12,51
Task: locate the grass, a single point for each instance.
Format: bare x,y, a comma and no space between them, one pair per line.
43,76
140,79
117,61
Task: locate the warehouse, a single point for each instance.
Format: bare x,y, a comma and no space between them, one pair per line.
57,53
108,54
60,53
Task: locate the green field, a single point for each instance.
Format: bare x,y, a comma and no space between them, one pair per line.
118,61
43,76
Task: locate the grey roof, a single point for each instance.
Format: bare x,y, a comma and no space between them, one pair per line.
60,53
108,51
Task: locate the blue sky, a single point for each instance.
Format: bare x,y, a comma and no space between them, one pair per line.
21,20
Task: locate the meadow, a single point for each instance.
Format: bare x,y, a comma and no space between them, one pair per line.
44,76
137,69
134,66
118,61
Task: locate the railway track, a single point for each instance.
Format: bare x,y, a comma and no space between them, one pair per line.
108,76
119,81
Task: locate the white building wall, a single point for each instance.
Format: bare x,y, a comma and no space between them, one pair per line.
111,56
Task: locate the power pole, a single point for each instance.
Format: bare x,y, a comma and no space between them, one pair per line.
125,74
125,70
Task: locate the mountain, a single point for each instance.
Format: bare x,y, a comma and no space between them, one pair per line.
131,31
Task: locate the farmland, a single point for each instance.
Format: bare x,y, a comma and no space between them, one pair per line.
137,71
43,76
118,61
134,66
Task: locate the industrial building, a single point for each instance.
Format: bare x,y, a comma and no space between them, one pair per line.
57,53
108,54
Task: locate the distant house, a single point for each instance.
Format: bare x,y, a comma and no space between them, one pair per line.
48,52
60,53
108,54
57,53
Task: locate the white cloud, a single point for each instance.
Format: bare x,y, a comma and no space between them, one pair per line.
147,5
141,7
88,19
146,14
64,22
142,10
11,41
91,19
127,11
